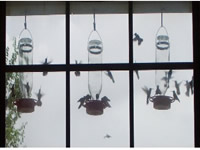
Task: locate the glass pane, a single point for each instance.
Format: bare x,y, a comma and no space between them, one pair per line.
109,36
36,33
165,37
164,120
35,110
95,123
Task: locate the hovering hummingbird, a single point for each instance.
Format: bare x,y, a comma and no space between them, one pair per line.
105,101
46,62
169,75
27,86
107,136
13,90
109,74
137,73
158,91
175,96
138,38
39,96
77,73
187,93
83,99
148,93
192,85
177,86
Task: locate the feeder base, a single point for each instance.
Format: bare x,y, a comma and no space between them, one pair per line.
162,102
94,107
25,105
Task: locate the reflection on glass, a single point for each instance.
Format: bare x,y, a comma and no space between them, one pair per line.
165,117
35,117
109,129
171,33
112,28
42,35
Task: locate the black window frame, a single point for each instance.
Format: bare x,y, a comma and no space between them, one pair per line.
67,68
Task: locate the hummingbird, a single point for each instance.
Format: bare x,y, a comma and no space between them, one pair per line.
192,85
109,74
148,93
177,86
138,38
158,91
39,96
187,93
137,74
175,96
169,75
97,96
83,99
27,86
13,90
105,101
77,73
46,62
107,136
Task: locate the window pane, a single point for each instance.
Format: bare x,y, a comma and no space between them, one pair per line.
42,37
162,39
92,128
111,31
164,122
35,110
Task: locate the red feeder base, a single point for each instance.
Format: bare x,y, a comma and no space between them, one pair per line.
94,107
25,105
162,102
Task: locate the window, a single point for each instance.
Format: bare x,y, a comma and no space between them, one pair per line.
67,54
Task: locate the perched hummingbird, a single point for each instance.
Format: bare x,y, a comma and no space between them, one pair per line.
187,93
109,74
175,96
158,91
39,96
77,73
177,86
105,101
46,62
83,99
138,38
148,93
27,88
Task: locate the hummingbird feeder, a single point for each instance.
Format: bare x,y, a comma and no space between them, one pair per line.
161,100
25,104
95,49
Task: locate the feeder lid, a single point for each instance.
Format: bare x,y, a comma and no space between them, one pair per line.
162,37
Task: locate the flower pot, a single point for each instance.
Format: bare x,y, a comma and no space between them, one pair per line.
25,105
94,107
